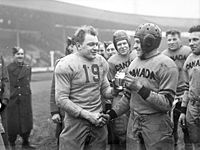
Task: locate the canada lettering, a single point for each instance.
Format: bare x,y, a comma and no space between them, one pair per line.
143,72
122,65
193,64
178,57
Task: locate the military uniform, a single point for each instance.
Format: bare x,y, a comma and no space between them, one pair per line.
20,119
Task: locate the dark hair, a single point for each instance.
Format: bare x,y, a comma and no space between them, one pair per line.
70,41
107,43
173,32
80,33
194,29
16,50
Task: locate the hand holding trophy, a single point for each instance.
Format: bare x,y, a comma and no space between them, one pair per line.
119,80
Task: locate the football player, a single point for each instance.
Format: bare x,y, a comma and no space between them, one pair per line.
177,52
119,62
80,80
151,80
191,98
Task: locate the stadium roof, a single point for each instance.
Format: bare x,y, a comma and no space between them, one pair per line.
101,15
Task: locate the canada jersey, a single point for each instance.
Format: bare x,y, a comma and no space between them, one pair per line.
159,74
81,81
179,56
118,62
192,74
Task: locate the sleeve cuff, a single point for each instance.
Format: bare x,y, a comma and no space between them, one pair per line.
144,92
112,114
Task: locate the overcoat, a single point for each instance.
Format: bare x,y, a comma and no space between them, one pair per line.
20,118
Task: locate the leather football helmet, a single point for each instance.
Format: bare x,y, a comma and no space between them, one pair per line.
150,36
121,35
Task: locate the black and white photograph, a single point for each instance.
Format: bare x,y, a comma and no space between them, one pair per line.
99,75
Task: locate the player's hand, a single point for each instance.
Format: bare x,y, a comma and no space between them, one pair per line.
132,83
116,90
56,118
103,119
182,120
92,117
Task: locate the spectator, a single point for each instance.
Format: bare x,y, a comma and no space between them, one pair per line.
71,46
80,79
190,107
20,118
109,49
101,50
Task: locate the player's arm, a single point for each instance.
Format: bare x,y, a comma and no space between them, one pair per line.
186,93
107,91
121,107
182,118
163,99
63,78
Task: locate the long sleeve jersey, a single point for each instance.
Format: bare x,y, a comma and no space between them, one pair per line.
79,83
118,62
192,74
179,57
159,76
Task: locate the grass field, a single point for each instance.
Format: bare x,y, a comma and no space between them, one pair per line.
44,130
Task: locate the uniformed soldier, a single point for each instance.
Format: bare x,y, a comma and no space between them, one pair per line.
20,119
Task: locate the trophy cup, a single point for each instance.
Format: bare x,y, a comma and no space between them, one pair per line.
119,80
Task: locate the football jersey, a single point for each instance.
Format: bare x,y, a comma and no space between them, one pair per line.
179,56
80,81
159,74
192,73
118,62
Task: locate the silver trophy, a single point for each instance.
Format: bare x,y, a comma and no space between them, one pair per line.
119,80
